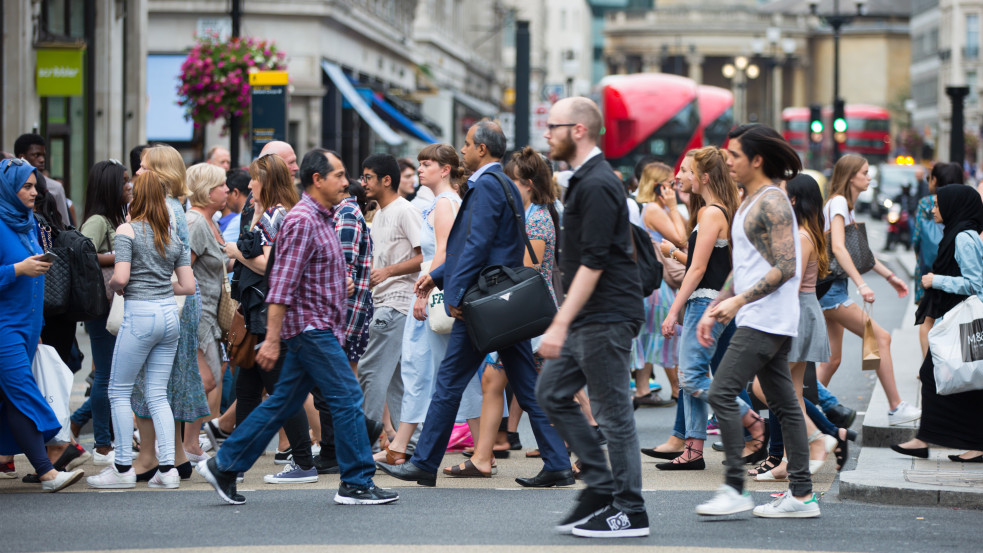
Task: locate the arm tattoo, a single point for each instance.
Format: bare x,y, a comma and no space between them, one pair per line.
769,226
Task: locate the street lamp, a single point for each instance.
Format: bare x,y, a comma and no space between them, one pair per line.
775,52
836,20
740,71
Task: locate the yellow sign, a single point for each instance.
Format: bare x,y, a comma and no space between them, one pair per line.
509,96
271,78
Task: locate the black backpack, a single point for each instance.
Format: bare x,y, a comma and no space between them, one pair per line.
649,267
87,289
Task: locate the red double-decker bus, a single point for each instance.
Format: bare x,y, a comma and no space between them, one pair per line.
648,114
716,114
868,131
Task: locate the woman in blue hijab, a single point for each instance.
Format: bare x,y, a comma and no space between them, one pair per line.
26,420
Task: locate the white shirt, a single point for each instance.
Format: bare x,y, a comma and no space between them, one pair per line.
395,234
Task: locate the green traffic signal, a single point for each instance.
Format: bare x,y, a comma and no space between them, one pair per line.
839,125
816,126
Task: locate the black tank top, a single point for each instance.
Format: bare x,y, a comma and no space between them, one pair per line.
719,265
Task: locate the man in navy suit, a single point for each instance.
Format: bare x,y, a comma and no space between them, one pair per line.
484,234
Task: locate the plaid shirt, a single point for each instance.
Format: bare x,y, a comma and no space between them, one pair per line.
308,273
356,243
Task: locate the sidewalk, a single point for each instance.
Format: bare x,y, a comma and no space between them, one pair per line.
883,476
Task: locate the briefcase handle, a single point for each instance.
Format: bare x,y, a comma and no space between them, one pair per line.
488,273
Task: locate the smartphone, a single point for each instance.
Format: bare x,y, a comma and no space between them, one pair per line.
49,257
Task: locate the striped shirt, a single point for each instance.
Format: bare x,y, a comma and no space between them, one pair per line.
356,244
308,273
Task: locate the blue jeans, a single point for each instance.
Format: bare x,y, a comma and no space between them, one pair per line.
97,406
826,398
456,371
776,443
314,358
694,365
147,338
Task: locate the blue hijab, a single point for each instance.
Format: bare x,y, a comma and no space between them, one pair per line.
13,212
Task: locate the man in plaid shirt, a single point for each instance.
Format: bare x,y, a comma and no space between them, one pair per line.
307,307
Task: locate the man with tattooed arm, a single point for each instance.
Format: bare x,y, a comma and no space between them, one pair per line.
762,293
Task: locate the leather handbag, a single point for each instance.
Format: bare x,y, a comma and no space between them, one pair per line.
855,240
508,305
58,279
242,343
672,270
226,309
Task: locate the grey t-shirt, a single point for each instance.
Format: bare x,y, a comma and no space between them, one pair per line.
150,272
209,269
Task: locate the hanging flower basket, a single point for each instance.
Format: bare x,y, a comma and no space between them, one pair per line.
215,78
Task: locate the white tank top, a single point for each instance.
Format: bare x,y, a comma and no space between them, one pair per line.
778,312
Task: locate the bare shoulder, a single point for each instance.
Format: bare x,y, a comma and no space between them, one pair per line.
126,229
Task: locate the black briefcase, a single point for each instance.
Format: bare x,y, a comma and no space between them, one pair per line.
508,304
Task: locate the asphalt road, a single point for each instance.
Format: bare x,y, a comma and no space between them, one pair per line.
486,518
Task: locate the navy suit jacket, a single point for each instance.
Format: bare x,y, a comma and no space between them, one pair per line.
484,234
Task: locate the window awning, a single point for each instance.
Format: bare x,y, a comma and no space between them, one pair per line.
480,106
341,81
399,118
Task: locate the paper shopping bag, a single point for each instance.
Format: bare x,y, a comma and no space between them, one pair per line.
871,353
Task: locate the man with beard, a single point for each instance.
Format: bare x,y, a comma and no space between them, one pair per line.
589,341
484,233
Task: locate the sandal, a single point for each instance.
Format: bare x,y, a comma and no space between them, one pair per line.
396,457
532,454
466,470
762,451
829,443
842,451
765,466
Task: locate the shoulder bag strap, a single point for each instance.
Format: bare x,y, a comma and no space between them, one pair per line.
518,218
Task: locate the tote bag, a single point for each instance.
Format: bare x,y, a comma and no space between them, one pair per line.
956,343
55,382
438,319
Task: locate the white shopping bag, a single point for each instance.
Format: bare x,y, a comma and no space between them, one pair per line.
55,382
956,343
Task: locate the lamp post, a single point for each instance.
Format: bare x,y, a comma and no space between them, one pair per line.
740,72
776,52
836,20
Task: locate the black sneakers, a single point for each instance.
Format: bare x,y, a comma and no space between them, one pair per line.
613,523
350,495
223,482
326,466
589,503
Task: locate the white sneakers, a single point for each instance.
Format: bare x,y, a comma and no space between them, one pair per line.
99,459
903,413
110,479
169,480
195,459
728,501
62,481
786,506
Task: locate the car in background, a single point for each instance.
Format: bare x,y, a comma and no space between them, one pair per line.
890,179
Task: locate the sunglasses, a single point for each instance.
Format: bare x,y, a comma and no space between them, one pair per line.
15,161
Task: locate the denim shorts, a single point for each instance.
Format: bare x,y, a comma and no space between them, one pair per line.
837,296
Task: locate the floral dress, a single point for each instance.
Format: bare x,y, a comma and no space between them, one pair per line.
185,391
650,346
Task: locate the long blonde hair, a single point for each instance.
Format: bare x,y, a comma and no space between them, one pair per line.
149,205
167,163
652,174
843,171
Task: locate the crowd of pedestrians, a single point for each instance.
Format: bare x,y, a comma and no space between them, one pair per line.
350,290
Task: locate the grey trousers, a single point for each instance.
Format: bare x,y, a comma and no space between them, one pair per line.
378,369
753,352
597,355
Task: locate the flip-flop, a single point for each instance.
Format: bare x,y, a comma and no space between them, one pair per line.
469,471
533,454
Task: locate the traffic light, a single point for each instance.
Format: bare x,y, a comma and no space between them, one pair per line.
839,121
815,124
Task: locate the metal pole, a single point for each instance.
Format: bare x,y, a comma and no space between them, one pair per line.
235,130
957,148
837,23
521,84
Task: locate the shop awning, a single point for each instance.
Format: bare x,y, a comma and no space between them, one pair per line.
484,108
341,81
400,119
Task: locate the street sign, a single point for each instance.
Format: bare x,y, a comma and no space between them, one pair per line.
268,108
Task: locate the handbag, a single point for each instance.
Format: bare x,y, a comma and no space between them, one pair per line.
672,270
242,343
956,343
855,240
871,351
438,319
54,380
508,305
226,308
58,279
